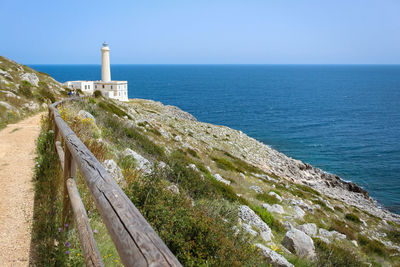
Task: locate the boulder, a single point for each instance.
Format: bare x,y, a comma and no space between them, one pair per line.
31,78
275,259
112,168
242,176
142,164
278,197
298,212
251,218
274,208
309,228
220,179
299,243
86,115
331,234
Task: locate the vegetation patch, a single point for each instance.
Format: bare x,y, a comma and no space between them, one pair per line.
352,217
334,255
265,197
199,235
269,219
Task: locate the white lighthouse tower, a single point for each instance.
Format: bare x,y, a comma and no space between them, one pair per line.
112,89
105,63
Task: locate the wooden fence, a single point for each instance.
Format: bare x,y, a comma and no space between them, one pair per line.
135,240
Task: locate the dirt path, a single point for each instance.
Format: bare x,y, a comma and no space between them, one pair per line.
17,153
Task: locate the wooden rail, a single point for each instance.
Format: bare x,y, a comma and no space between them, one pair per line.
135,240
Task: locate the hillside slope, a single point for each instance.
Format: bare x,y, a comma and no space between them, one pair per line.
24,91
290,211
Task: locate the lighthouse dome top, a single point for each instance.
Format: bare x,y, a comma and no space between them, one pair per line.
105,44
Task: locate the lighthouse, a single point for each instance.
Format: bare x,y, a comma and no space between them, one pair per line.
113,89
105,63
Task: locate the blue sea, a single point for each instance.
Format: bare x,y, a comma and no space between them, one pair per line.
344,119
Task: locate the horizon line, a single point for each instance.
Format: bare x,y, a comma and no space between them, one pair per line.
208,64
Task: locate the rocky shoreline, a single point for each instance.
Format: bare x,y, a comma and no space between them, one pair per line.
240,145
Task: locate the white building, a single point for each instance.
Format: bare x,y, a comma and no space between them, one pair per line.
112,89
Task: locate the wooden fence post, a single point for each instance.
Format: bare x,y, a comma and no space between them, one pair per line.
69,172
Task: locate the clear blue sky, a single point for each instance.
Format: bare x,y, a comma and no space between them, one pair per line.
190,32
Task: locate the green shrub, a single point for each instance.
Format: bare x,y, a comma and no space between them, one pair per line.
352,217
25,89
128,162
97,94
197,235
333,255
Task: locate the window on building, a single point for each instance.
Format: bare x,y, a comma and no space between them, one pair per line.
95,86
103,85
111,86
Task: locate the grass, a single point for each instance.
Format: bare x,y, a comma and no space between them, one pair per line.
268,219
350,231
334,255
114,109
265,197
371,246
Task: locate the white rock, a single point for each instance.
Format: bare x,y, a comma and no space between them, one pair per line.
162,165
10,94
112,168
193,167
278,197
331,234
173,189
7,106
31,78
247,228
220,179
5,74
251,218
298,242
142,164
242,175
274,258
354,243
298,212
178,138
86,115
256,188
309,228
274,208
